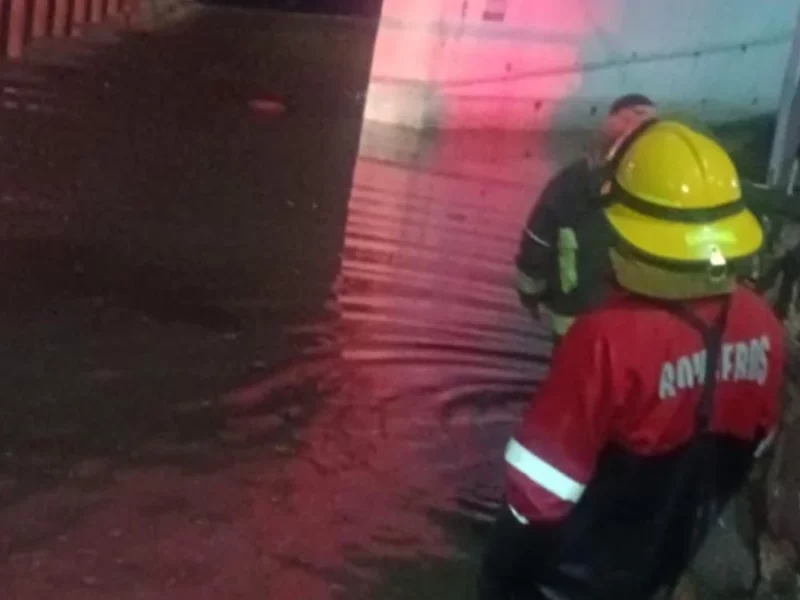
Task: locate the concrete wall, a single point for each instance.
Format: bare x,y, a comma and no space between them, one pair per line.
540,64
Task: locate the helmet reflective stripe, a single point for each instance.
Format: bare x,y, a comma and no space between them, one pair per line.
679,215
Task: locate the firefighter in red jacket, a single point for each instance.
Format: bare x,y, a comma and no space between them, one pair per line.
656,403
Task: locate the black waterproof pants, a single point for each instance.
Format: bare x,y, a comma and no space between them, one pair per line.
509,570
506,571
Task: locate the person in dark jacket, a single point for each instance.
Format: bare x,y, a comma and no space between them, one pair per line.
562,268
657,402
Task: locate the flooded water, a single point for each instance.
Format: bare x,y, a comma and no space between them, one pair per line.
254,352
419,369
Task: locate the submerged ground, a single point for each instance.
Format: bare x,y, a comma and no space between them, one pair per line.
251,353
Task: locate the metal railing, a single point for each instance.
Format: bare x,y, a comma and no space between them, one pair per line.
24,21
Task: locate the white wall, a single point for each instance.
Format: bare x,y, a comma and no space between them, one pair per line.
557,63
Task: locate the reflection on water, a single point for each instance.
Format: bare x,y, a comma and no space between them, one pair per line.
420,370
251,432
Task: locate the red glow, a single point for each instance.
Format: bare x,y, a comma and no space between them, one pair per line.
431,232
471,73
268,106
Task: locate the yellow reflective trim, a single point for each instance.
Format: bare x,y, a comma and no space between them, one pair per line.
562,323
558,323
567,259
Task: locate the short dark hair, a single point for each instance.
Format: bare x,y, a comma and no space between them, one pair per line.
629,101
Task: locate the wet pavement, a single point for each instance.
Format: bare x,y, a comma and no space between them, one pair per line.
251,353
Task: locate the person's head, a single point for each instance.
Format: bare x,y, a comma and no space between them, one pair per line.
675,203
625,114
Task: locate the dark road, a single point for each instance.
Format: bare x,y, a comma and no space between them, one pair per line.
250,353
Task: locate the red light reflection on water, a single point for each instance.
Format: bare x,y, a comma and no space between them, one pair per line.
425,315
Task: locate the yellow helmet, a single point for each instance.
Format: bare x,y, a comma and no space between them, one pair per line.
675,200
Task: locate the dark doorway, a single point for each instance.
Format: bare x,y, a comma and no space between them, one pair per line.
364,8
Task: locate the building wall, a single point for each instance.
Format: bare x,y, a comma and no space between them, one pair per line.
541,64
25,21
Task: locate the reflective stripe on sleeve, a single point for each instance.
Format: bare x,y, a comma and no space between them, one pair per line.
536,238
541,473
516,514
529,285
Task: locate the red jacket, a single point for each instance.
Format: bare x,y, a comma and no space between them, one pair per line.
605,441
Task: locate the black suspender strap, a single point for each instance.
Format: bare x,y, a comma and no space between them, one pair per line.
700,458
695,471
712,334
